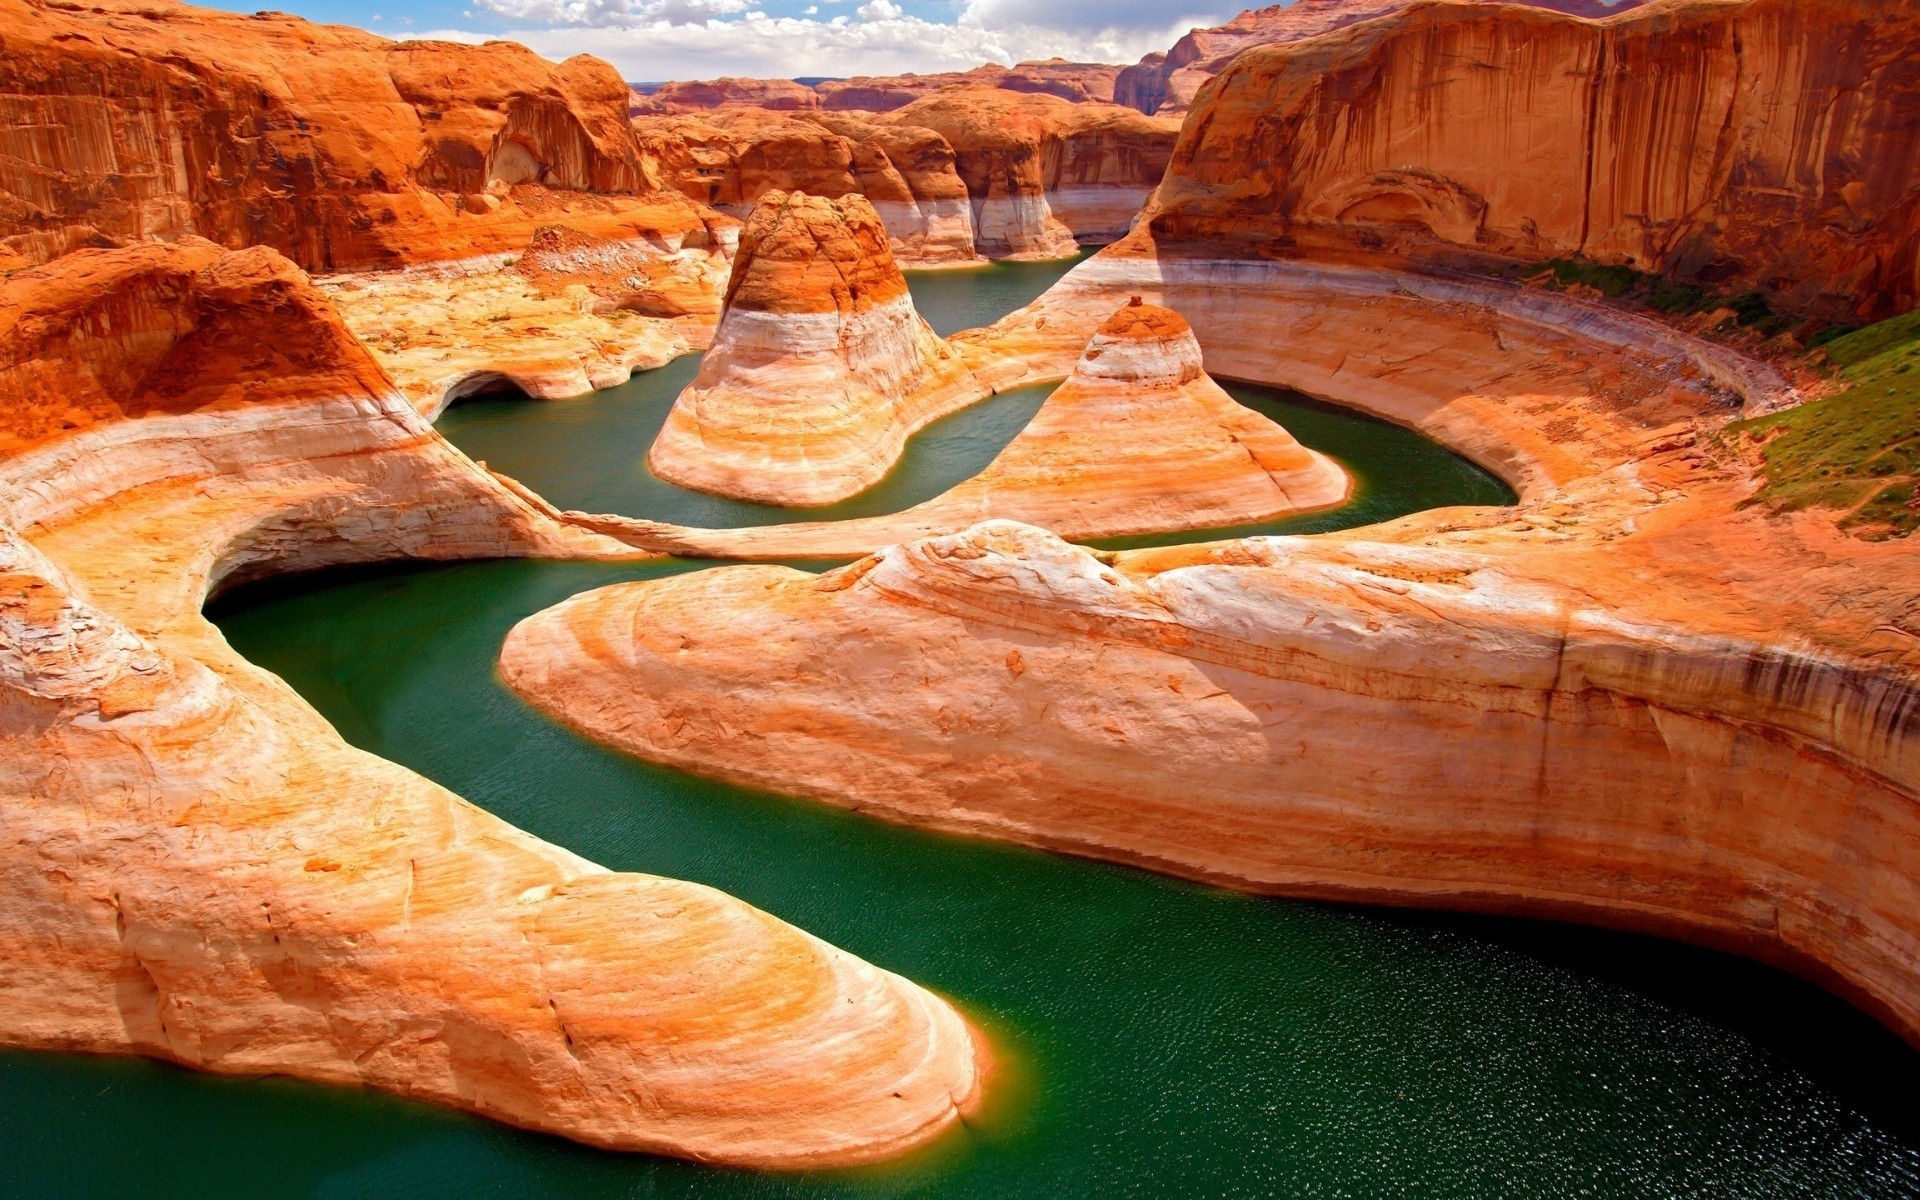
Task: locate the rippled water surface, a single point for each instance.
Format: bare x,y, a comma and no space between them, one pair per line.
1166,1039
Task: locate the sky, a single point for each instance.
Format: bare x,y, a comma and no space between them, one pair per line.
654,40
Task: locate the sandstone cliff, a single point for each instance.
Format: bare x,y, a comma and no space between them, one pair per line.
820,368
959,172
1166,83
194,866
154,120
1738,143
1044,174
732,157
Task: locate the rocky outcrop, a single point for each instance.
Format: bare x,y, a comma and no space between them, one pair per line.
774,95
572,315
1078,82
733,157
195,867
1044,174
1166,83
1137,440
820,368
155,120
1740,143
1630,700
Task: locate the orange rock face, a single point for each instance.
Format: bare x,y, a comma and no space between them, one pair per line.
958,172
1742,143
1166,83
820,368
732,157
1042,173
194,866
128,121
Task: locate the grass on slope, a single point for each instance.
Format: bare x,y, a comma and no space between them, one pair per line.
1857,451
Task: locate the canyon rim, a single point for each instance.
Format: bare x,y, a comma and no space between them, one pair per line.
1625,291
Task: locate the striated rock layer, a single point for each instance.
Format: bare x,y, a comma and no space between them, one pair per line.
733,157
1044,174
1629,701
820,369
960,172
1137,440
148,119
1766,144
194,866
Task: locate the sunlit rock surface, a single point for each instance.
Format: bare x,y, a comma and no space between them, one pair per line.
1743,143
122,121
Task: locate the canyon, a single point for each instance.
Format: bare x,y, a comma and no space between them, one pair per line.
245,261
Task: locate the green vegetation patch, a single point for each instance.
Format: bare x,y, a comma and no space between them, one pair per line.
1858,451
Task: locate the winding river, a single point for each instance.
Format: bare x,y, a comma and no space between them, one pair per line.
1166,1039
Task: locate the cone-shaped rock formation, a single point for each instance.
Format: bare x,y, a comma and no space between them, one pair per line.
820,370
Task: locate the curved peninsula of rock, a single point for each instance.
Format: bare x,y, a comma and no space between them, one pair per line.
820,369
1632,700
1764,144
195,867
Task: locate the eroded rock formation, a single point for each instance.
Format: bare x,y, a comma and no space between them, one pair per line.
1739,143
963,169
732,157
154,120
194,866
1137,440
1044,174
820,368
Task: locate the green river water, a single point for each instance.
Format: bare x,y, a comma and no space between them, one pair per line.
1166,1039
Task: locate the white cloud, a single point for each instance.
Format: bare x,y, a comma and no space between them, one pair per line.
603,14
700,39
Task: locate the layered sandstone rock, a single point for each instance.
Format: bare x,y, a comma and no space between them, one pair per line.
1137,440
732,157
1630,701
126,121
820,368
1166,83
1739,143
194,866
1044,174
